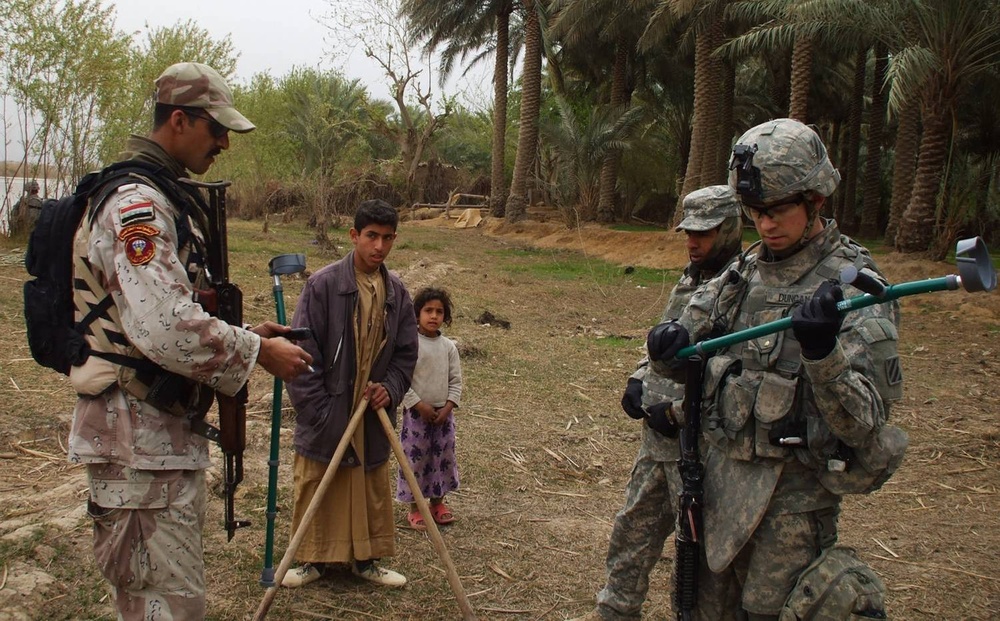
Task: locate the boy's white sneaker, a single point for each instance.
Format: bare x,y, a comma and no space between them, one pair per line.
300,576
371,572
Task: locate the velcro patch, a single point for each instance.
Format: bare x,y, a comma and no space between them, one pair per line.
785,298
139,245
893,371
137,212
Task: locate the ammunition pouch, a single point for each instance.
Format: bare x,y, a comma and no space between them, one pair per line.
166,391
837,585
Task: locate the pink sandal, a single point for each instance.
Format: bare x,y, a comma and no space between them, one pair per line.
442,514
416,521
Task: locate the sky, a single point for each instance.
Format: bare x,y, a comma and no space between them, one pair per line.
277,35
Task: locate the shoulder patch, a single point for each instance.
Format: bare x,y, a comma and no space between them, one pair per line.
139,245
136,212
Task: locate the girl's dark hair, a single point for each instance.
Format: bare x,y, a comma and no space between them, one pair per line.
427,294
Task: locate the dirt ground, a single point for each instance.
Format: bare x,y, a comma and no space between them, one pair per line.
544,449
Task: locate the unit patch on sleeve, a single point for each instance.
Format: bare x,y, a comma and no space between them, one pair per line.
136,212
139,245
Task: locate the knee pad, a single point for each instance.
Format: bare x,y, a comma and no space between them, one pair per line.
837,586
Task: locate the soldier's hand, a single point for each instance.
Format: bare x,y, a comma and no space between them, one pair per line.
666,339
282,358
269,329
817,322
661,419
632,399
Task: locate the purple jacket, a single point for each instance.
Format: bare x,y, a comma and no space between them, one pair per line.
324,400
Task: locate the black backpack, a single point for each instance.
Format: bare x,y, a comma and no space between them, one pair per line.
55,339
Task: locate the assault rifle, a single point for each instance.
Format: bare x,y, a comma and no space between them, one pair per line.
688,538
225,301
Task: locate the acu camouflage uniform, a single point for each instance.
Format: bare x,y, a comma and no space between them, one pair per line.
145,466
782,427
648,516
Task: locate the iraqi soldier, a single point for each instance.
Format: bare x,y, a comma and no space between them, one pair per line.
798,418
28,209
145,254
713,226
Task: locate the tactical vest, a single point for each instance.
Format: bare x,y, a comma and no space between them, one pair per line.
758,402
135,374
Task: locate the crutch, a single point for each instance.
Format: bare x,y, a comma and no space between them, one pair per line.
404,464
278,266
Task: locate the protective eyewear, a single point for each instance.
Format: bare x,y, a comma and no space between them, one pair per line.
775,212
217,129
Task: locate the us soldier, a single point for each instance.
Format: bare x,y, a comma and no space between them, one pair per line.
713,226
798,418
145,466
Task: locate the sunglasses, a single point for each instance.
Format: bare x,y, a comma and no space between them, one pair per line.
217,129
775,212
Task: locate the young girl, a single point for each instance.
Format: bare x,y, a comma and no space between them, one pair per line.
428,430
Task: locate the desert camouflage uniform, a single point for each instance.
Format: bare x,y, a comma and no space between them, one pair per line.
771,508
649,515
145,466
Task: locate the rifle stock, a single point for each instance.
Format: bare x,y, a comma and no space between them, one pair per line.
688,538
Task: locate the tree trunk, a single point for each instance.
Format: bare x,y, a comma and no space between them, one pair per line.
527,134
907,143
843,159
798,98
710,171
848,219
702,104
498,190
726,125
917,225
829,209
619,103
873,160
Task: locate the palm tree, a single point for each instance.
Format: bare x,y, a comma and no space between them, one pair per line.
463,27
955,41
577,23
705,23
904,166
527,135
581,137
873,158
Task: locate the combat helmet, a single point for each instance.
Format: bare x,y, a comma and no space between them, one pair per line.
780,160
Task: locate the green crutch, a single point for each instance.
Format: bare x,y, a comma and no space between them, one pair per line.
279,266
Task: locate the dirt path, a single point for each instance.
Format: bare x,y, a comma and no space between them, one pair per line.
544,450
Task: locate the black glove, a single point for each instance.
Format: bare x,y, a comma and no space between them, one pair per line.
632,399
817,322
660,421
666,339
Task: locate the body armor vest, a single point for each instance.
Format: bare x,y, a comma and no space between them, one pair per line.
758,402
136,375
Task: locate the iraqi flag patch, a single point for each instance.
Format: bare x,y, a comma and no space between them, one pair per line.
137,212
139,245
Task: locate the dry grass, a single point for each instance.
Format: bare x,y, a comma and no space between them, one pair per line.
544,450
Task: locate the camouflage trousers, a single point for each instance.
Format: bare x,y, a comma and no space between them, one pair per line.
147,540
640,530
